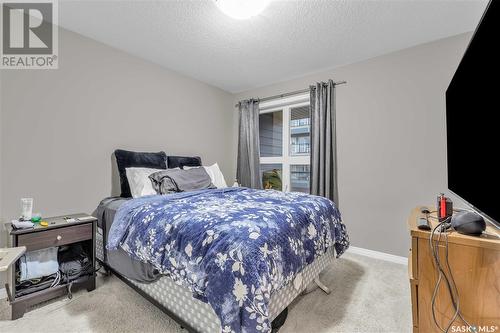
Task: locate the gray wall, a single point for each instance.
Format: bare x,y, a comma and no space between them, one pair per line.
391,137
3,239
1,74
59,127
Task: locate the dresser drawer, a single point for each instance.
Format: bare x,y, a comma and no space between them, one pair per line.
55,237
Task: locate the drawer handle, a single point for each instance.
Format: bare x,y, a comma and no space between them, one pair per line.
59,237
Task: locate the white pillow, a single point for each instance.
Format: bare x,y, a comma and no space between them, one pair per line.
139,182
215,175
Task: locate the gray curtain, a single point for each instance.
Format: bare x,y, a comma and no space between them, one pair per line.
248,169
323,141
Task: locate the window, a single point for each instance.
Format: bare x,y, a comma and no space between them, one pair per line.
271,133
284,127
299,178
272,176
299,130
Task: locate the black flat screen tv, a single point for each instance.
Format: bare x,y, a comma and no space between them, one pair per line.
472,119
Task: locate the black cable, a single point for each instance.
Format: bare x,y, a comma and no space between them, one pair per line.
454,285
451,286
455,299
98,268
437,263
442,274
439,277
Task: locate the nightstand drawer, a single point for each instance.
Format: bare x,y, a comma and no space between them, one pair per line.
55,237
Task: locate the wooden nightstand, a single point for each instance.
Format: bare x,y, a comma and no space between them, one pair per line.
59,232
475,264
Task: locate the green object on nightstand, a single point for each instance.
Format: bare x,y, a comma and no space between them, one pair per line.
36,218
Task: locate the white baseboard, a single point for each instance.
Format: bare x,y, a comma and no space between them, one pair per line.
3,294
378,255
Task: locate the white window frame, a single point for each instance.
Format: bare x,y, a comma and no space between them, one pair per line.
285,105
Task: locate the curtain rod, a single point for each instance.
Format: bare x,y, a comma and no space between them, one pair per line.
291,93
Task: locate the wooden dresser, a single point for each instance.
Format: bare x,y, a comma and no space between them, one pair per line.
475,264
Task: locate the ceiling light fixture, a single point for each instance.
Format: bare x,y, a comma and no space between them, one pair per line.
242,9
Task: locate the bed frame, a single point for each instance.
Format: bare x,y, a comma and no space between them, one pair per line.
196,316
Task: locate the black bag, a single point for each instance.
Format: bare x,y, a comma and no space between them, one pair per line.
73,262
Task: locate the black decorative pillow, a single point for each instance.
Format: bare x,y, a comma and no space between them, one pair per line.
182,161
131,159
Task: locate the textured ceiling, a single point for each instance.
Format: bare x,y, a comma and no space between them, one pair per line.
289,39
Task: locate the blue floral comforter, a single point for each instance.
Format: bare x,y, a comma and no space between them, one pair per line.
231,247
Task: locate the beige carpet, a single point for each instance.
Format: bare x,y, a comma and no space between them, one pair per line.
368,295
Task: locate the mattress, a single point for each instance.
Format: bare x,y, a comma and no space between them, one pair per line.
118,259
180,302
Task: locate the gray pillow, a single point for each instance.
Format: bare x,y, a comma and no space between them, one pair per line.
179,180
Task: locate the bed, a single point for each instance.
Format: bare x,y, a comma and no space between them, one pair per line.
223,259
